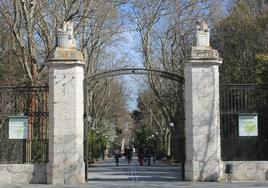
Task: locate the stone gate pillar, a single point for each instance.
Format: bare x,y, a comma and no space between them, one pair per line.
202,125
66,74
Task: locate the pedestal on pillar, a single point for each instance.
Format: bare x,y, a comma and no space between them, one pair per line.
202,125
66,157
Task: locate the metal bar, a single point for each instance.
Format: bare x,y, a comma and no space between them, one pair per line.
86,124
124,71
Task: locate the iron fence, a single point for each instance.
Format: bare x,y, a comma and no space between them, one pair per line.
234,100
16,151
30,101
178,148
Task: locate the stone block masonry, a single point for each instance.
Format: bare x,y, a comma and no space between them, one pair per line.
23,173
66,109
202,124
247,170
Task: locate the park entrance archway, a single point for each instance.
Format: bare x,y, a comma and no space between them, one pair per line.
66,108
177,132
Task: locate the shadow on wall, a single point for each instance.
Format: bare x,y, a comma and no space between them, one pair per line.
39,175
211,178
209,124
266,175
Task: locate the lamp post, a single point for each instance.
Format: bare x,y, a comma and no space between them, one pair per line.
92,145
156,149
86,143
106,147
97,145
171,140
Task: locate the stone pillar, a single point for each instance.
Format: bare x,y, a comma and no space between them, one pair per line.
202,125
66,75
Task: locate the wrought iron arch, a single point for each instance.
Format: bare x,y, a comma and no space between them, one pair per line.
128,71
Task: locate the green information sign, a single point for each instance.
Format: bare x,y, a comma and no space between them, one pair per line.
18,127
248,124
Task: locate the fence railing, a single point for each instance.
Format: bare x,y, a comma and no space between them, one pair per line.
30,101
17,151
237,99
244,148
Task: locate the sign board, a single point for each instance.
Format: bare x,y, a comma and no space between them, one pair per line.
18,127
248,124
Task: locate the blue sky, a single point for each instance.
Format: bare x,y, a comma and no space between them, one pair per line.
129,48
131,82
126,55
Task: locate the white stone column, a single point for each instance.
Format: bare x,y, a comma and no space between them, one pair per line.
202,125
66,75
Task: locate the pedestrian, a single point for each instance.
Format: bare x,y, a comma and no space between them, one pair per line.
154,157
128,155
131,153
149,154
117,155
145,154
125,152
141,155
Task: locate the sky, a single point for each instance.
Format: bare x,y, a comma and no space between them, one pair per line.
132,83
128,49
126,55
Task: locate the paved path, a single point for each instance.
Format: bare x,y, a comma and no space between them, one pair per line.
107,175
159,175
133,172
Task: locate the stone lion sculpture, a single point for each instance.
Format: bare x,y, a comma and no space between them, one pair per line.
202,25
66,38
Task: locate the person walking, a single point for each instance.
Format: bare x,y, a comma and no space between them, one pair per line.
145,154
154,157
117,155
125,153
149,154
141,155
129,154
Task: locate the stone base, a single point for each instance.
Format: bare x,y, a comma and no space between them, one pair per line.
247,170
23,173
66,173
203,171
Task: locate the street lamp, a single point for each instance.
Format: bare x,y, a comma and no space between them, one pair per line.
170,139
88,120
103,146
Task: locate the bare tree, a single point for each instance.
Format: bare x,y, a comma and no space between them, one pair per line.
166,33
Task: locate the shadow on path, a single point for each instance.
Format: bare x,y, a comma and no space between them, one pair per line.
158,172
